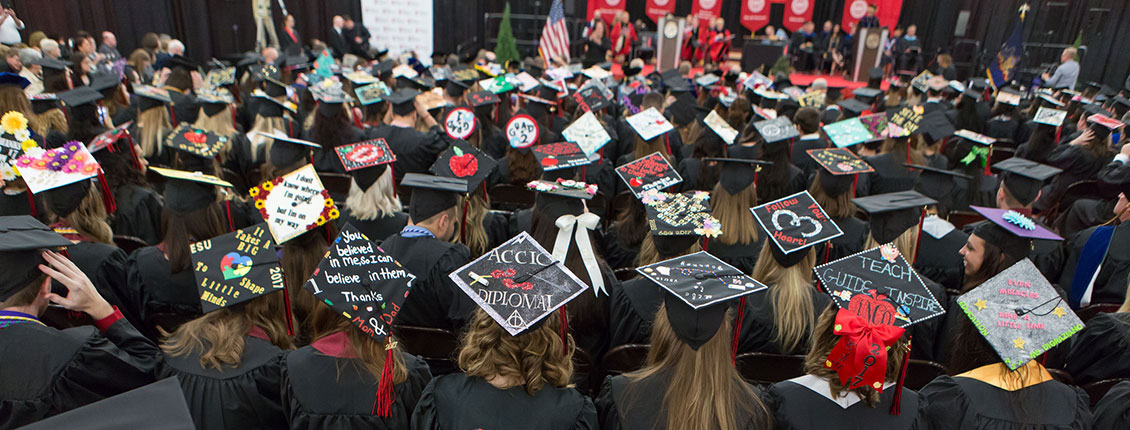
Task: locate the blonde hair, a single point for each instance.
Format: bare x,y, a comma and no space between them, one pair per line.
89,219
53,119
218,336
477,240
375,202
793,316
732,210
154,125
221,124
649,254
265,125
656,144
906,243
325,321
535,358
836,207
705,390
824,340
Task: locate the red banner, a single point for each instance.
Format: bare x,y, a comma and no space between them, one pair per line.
888,13
706,11
606,8
659,8
755,14
797,12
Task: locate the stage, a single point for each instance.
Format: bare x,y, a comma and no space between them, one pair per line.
798,79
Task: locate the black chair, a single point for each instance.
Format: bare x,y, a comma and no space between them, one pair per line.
921,372
435,345
1093,310
1076,191
625,358
128,243
762,368
1096,390
960,219
337,184
511,197
624,273
1000,153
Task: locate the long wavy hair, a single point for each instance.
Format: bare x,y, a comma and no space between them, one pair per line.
523,165
219,336
181,230
89,218
824,340
477,239
53,119
789,292
732,210
325,321
705,391
221,124
13,98
153,125
535,359
837,207
300,257
260,143
375,202
631,225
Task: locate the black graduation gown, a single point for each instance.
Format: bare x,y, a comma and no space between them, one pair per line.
796,406
105,265
435,300
520,221
795,183
940,260
1100,350
151,290
1002,127
966,403
47,371
458,401
800,156
632,306
17,204
415,151
617,254
497,228
377,228
742,257
245,396
852,241
759,325
1110,285
645,411
494,143
690,169
240,159
1077,163
139,213
1113,411
186,107
890,176
326,392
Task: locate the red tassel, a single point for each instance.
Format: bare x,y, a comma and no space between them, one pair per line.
227,209
133,155
392,170
827,252
234,123
854,183
918,237
667,143
564,331
896,403
107,197
382,405
705,243
31,202
1057,131
463,225
987,158
737,332
289,316
173,115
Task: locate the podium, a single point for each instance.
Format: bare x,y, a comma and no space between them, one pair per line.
868,51
669,48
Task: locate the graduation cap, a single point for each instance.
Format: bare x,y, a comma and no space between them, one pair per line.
52,65
677,220
482,98
1049,101
294,203
777,130
1010,231
220,77
875,73
373,93
892,214
456,87
921,82
560,155
496,85
905,121
1008,96
360,77
186,192
979,84
7,78
795,223
43,170
957,86
698,286
867,95
157,406
236,267
935,127
1020,314
43,102
518,283
975,137
273,108
651,172
588,133
464,74
366,161
104,81
459,123
199,142
649,123
563,188
840,167
936,183
972,94
707,80
362,282
182,62
432,195
402,97
876,288
1024,178
522,132
848,132
79,96
274,87
263,72
937,83
853,107
21,239
739,171
463,161
592,98
151,97
1103,125
723,129
1048,116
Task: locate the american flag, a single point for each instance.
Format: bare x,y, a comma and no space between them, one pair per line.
555,37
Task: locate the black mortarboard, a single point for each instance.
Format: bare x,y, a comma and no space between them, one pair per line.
183,62
104,81
79,96
518,293
21,239
979,84
1024,178
650,172
937,183
740,170
214,100
43,102
1020,314
935,127
852,107
274,87
698,286
867,95
186,192
63,200
402,97
892,214
795,224
839,169
236,267
776,130
362,282
1048,101
288,151
432,195
1010,231
972,94
875,73
559,155
463,161
151,97
1121,105
157,406
273,108
677,220
199,142
52,65
455,87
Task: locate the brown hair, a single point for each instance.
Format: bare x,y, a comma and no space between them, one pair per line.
732,210
649,254
12,98
219,335
53,119
705,390
477,241
824,339
994,262
89,218
945,60
906,243
534,358
221,124
658,144
789,292
905,150
26,295
300,257
523,166
325,321
179,231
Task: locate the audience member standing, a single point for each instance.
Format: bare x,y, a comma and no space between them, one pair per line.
337,37
10,27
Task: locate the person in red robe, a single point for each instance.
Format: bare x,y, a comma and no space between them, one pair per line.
623,36
719,41
691,42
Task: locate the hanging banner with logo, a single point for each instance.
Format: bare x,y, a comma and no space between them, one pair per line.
755,14
659,8
606,8
797,12
854,10
706,11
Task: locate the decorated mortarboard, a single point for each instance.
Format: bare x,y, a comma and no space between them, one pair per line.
904,122
937,83
795,223
816,99
482,98
365,154
199,142
1020,314
328,92
372,93
1103,125
153,93
921,82
879,295
707,80
535,99
776,130
433,100
757,80
459,123
1025,178
79,96
43,170
564,188
518,283
1048,116
649,123
652,172
853,107
360,77
723,129
43,102
1017,225
236,267
216,96
848,132
219,77
294,203
359,280
683,214
463,161
21,238
596,72
496,85
464,74
588,133
525,82
957,86
1008,97
892,214
839,161
522,131
698,286
592,97
975,137
560,155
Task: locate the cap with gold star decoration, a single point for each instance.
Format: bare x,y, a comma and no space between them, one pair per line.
1020,314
